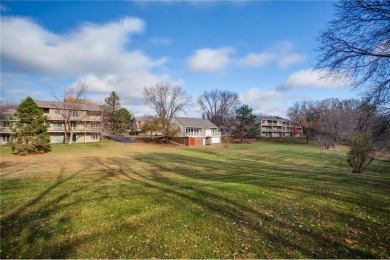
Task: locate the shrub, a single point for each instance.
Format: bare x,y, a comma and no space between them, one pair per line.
361,153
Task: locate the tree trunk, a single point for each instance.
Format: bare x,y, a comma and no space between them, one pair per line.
65,133
70,136
307,139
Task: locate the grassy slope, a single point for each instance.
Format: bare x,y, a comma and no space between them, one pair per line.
114,200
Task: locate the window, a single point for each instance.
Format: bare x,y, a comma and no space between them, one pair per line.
7,124
75,113
6,138
192,130
57,125
94,136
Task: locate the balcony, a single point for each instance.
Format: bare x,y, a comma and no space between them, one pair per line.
5,129
202,134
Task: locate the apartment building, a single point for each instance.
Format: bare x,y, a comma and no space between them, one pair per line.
278,127
6,120
86,122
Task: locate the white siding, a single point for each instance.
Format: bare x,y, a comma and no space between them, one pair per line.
216,140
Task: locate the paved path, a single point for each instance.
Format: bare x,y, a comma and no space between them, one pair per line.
120,138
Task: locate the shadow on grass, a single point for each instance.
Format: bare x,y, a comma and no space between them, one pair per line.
270,178
277,222
31,224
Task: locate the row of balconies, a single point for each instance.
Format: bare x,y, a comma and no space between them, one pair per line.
54,117
202,133
61,129
276,124
76,128
277,130
4,129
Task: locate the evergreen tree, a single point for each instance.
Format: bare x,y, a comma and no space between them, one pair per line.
110,110
121,122
30,132
246,124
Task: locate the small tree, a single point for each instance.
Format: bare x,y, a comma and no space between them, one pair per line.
110,109
151,124
30,132
226,141
361,153
170,130
121,122
246,122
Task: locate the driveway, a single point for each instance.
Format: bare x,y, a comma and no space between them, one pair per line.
119,138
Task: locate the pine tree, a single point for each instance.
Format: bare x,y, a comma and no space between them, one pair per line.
121,122
110,110
246,122
30,132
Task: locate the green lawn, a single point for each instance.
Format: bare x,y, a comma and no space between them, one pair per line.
262,200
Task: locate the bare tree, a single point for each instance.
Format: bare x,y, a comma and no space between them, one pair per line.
166,100
6,106
218,105
337,121
69,107
356,45
306,114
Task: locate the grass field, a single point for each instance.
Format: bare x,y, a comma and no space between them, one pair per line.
261,200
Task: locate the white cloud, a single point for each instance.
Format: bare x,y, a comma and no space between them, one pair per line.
128,86
309,78
269,102
210,60
97,54
287,60
99,48
258,59
282,53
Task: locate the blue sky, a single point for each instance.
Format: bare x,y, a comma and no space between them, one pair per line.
264,51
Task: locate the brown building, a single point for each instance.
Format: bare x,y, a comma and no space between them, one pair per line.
86,122
278,127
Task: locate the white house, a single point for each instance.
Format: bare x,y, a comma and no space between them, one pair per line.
196,131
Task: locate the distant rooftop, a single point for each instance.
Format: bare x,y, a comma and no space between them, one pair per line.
195,122
273,118
59,105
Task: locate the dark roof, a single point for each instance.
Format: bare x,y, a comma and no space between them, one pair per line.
195,122
143,118
59,105
273,118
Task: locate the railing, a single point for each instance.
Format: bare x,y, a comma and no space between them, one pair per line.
5,129
77,128
203,133
53,117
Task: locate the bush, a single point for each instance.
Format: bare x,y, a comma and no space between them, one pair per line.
361,153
